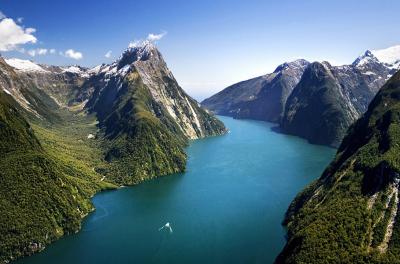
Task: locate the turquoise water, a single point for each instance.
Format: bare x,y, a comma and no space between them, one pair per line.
227,207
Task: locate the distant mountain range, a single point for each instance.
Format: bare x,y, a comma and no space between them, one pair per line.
316,101
68,132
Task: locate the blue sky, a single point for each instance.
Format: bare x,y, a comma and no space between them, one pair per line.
208,44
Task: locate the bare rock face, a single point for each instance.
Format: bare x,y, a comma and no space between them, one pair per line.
146,61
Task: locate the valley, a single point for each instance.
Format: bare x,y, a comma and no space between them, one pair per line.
106,156
227,206
69,132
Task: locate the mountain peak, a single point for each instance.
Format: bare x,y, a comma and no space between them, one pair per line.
365,58
138,51
390,57
299,63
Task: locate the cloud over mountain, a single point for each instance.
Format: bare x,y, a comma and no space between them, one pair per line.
12,35
70,53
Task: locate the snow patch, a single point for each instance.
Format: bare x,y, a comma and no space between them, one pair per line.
24,65
73,69
7,91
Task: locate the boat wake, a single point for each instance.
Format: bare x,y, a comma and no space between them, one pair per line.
166,226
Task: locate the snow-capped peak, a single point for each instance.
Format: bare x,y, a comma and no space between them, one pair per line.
365,58
73,69
142,44
137,51
24,65
299,63
390,56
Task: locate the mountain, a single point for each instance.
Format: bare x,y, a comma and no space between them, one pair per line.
69,132
318,109
261,98
145,114
31,99
350,214
62,84
328,99
315,101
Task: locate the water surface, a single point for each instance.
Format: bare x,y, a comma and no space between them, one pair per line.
227,207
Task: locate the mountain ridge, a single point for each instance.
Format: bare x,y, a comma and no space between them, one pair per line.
355,83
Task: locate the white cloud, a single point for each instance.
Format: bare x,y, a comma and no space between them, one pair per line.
12,35
30,30
76,55
34,52
154,37
2,16
108,54
20,19
52,51
42,51
150,37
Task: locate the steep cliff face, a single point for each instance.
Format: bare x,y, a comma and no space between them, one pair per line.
151,69
329,99
139,103
269,104
262,98
350,214
319,109
32,100
62,84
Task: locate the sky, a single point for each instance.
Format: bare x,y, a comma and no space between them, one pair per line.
207,44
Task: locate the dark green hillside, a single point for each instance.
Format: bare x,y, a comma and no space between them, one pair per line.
317,108
141,145
350,214
41,197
